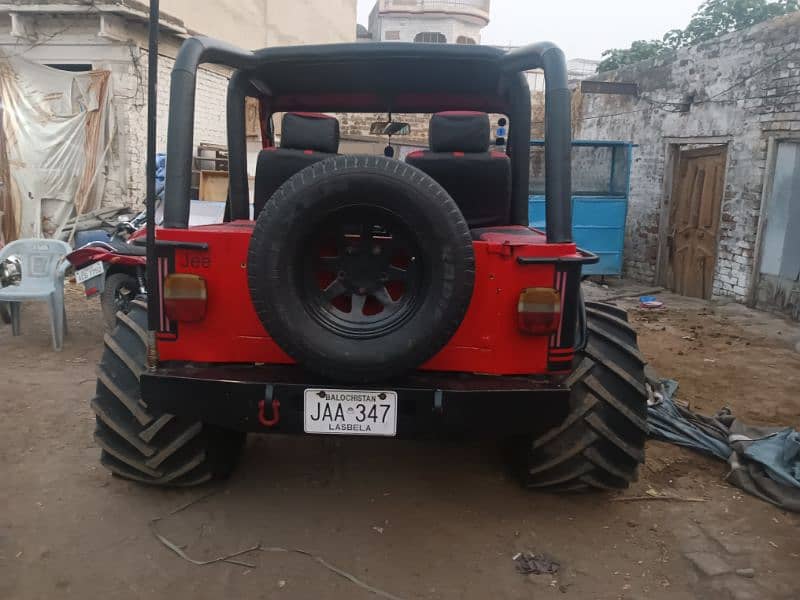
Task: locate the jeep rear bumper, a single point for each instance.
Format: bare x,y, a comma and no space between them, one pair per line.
428,403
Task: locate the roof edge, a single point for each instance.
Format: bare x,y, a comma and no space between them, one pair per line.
126,8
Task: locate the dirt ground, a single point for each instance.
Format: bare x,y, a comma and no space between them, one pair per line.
415,519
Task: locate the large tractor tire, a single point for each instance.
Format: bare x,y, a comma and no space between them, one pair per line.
600,444
140,444
361,268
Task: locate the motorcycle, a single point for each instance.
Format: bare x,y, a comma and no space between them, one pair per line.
113,269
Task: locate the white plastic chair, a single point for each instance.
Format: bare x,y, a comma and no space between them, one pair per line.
42,279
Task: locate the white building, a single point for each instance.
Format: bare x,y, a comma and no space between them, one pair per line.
429,21
447,22
578,69
86,62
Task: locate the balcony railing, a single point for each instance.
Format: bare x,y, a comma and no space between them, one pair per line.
472,7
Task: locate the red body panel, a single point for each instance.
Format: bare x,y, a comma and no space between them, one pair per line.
89,254
488,340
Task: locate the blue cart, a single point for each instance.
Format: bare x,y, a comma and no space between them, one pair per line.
601,173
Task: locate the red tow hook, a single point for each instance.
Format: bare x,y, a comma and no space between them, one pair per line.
276,406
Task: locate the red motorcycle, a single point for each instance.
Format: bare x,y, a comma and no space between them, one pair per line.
114,270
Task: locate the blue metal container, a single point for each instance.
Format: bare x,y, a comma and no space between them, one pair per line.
601,187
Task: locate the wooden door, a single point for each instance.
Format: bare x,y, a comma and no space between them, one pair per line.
694,220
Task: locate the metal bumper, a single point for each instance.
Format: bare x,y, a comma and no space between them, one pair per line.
428,403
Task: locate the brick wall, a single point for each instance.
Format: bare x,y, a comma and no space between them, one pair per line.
358,124
741,89
131,107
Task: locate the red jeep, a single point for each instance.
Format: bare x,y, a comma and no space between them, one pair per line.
372,295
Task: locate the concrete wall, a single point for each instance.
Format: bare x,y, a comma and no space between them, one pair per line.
240,22
292,22
742,89
261,23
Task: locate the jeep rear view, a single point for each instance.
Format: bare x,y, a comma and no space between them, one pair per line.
372,295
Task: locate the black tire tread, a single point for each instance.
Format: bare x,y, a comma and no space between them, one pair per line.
600,443
609,309
135,442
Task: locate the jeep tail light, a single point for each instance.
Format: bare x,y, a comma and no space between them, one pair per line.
185,297
539,311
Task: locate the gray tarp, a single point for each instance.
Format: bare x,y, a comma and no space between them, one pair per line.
764,461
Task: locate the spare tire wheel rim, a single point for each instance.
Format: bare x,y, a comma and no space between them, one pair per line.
365,274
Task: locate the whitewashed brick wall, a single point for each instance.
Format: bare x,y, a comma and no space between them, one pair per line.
209,118
742,88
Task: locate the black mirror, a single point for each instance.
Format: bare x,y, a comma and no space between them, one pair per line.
390,128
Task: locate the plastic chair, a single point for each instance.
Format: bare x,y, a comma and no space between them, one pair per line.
42,279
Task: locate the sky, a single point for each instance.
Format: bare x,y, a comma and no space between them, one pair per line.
583,28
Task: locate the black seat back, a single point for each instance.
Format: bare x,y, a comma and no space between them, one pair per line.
459,160
306,138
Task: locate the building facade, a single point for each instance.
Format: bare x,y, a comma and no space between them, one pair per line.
74,36
715,189
429,21
255,24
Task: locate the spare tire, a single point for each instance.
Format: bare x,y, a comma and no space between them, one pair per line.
361,267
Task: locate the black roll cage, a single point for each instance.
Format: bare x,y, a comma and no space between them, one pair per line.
245,82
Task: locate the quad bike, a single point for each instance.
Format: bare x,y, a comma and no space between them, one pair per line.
372,296
113,269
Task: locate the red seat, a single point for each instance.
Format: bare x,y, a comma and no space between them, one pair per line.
460,161
306,138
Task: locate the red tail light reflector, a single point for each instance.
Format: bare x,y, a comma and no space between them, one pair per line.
185,297
539,311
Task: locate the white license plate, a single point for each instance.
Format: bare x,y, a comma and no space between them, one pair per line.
86,273
350,412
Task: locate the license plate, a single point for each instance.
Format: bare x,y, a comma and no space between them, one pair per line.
350,412
86,273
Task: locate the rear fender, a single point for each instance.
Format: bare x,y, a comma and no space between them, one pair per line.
89,254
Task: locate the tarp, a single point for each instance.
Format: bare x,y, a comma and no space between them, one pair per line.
58,128
764,461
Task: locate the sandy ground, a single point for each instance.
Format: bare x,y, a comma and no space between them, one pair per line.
418,520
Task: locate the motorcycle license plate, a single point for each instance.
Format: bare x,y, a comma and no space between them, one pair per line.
86,273
350,412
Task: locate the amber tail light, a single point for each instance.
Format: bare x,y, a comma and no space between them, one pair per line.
185,297
539,311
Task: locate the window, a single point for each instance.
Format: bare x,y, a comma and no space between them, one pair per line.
462,39
391,35
74,67
781,245
430,37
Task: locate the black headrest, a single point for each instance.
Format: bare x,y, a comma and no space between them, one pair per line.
459,131
310,131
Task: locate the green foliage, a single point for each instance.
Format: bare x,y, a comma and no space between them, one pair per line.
639,50
713,19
